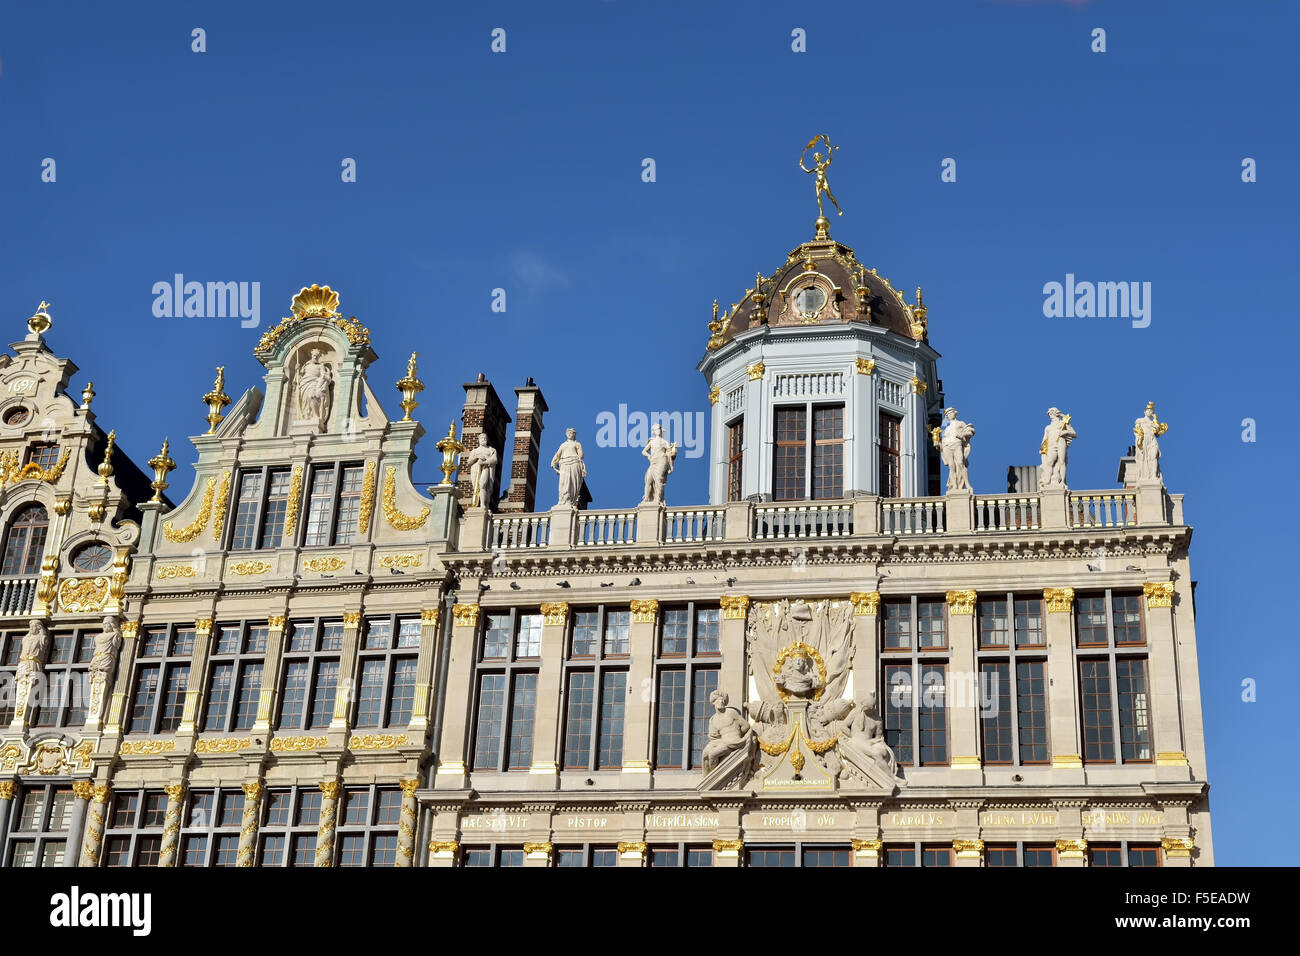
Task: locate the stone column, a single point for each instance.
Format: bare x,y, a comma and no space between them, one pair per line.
406,825
731,640
460,697
632,853
968,852
270,674
95,826
550,680
249,823
7,790
915,442
1062,707
82,791
963,713
444,825
1162,681
325,829
866,654
728,845
172,824
347,667
640,692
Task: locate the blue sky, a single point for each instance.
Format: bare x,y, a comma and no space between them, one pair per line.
522,171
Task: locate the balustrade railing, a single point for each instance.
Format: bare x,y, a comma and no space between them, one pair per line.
913,516
802,521
1118,510
17,596
606,527
521,531
1006,513
694,524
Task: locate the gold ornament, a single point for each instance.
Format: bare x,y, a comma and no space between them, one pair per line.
161,464
194,528
410,386
396,519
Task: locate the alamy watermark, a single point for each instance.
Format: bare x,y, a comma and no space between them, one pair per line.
213,300
1102,300
633,429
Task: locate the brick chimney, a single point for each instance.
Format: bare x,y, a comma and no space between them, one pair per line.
529,409
483,415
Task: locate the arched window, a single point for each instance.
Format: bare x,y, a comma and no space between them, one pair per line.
25,542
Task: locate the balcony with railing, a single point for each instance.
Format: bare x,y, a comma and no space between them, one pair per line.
17,596
868,516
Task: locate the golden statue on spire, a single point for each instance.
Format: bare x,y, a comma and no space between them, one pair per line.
820,183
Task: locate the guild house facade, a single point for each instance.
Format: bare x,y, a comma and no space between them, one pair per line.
847,657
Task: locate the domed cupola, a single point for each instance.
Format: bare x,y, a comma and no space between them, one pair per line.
822,381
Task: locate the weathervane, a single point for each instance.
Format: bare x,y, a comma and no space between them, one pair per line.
819,182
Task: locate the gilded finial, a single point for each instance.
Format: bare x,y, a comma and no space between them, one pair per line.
161,464
87,394
920,326
105,467
451,449
216,400
40,321
716,328
410,386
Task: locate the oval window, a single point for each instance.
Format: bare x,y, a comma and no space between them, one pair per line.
93,557
809,300
17,415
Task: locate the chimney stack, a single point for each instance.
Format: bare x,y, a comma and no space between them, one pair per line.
483,415
529,409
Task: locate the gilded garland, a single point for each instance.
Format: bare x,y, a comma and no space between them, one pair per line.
395,518
11,469
223,496
367,498
295,498
194,528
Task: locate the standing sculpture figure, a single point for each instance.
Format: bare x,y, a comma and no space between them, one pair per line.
314,380
868,732
661,455
819,168
31,655
953,442
482,463
569,464
728,731
1055,450
1148,429
102,665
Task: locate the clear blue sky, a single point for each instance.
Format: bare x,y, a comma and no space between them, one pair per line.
522,171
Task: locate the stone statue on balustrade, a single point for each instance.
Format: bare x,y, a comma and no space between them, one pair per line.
729,731
1055,449
953,442
482,462
1147,431
572,470
661,455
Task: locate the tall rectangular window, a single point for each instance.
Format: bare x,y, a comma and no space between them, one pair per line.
914,671
688,668
161,679
596,689
67,686
1013,725
311,674
789,452
261,502
387,659
509,655
334,504
735,459
891,450
828,451
1114,691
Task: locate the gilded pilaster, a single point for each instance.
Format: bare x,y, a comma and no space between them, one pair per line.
1162,681
1062,707
731,638
347,666
640,692
546,725
460,692
964,710
275,625
426,669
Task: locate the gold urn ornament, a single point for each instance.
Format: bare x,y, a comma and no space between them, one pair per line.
451,449
216,400
161,464
410,386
